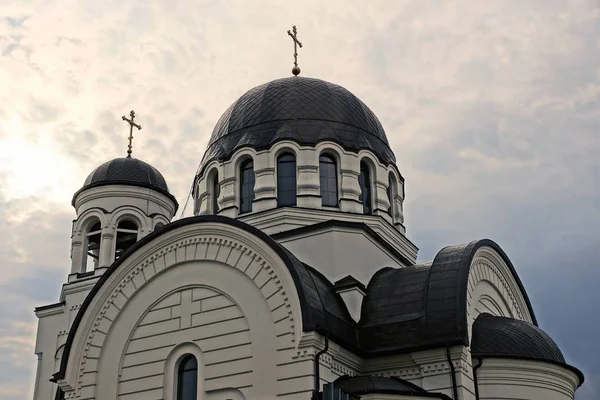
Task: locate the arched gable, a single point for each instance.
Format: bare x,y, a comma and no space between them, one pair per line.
212,240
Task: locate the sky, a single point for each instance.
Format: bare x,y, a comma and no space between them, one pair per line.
492,109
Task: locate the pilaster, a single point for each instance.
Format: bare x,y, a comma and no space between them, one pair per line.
76,254
228,202
381,203
308,194
106,246
350,191
264,189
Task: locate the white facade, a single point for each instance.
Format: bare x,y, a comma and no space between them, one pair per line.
220,292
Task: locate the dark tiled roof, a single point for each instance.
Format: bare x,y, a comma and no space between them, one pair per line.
422,306
502,336
304,110
127,171
357,385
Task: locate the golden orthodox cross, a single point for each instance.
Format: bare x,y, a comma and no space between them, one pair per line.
131,125
294,36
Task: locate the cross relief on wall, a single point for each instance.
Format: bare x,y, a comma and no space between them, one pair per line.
186,309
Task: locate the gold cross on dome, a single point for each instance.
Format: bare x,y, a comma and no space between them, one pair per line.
131,125
294,36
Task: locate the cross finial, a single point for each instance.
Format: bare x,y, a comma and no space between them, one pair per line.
131,125
294,36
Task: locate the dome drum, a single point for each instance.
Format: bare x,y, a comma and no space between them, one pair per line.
306,186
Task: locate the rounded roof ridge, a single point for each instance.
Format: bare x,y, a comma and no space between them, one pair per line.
504,337
498,335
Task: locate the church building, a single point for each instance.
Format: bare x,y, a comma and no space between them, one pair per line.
294,279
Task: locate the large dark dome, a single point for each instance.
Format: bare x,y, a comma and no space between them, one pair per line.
304,110
127,171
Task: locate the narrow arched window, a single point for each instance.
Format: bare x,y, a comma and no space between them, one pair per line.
391,193
246,186
127,232
364,180
286,180
216,192
187,378
328,181
92,247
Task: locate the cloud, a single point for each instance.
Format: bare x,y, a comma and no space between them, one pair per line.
491,108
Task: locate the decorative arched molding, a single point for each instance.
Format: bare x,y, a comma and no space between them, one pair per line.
280,148
133,213
210,241
159,219
84,221
334,150
491,279
172,367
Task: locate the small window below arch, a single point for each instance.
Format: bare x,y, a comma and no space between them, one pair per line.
328,180
364,180
187,378
286,180
127,232
92,247
246,186
215,193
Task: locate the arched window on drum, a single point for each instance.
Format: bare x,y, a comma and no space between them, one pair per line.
246,186
286,180
328,180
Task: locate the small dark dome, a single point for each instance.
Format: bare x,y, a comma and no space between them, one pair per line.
127,171
501,336
304,110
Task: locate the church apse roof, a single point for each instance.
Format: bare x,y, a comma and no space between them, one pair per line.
503,337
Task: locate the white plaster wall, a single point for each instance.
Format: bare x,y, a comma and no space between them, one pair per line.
337,253
49,337
122,340
111,197
525,380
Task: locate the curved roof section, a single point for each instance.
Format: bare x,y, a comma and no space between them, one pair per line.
322,308
127,171
503,336
360,385
304,110
495,336
423,306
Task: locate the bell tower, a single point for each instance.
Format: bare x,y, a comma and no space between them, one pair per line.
121,201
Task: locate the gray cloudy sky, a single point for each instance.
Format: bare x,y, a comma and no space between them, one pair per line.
492,109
